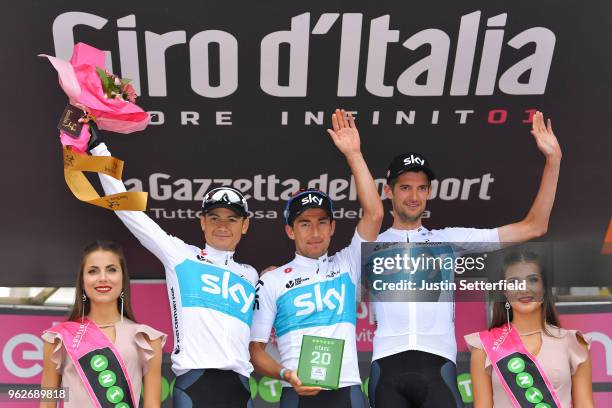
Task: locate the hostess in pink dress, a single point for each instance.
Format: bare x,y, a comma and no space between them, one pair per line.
130,341
560,355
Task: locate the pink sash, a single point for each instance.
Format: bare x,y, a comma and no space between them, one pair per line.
520,373
98,364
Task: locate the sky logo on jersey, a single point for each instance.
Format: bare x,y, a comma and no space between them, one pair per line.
319,304
307,303
211,287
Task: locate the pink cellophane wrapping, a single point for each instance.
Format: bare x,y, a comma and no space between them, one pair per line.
81,83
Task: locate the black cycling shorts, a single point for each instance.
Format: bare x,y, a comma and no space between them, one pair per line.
414,379
211,388
346,397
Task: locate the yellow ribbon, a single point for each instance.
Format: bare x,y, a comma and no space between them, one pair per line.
74,166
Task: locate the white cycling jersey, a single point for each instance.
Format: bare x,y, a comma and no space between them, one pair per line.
315,297
424,326
211,296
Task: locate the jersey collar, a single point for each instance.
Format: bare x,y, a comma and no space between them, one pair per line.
405,234
320,263
219,256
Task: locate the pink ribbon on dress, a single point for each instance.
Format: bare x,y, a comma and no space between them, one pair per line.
499,343
80,338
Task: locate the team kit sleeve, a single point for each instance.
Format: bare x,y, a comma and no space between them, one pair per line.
264,312
471,240
350,258
252,275
164,246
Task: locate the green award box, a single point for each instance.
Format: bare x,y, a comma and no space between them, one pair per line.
320,361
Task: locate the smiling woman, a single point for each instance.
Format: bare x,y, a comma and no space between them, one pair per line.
525,357
98,354
102,278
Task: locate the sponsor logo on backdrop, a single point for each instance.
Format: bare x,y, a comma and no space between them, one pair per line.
606,342
297,32
29,360
458,63
164,187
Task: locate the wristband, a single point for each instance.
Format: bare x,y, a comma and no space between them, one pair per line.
282,372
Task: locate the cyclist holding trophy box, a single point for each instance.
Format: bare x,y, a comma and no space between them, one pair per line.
311,301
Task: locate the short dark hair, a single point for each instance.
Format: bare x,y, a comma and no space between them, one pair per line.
393,181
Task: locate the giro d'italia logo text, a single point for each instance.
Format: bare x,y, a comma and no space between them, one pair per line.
483,54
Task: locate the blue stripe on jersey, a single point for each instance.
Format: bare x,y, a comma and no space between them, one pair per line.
317,304
212,287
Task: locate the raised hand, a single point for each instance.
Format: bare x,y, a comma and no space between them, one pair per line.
345,134
535,223
545,138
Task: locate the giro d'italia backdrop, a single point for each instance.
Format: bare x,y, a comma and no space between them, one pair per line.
240,93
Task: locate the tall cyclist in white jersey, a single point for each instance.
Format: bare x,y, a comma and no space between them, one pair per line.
211,298
414,342
283,292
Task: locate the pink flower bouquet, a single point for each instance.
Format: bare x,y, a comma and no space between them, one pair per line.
104,98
